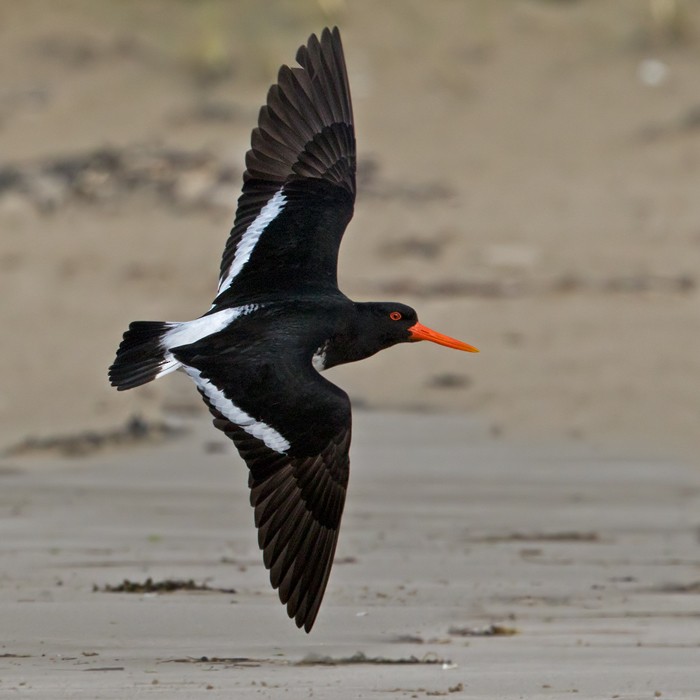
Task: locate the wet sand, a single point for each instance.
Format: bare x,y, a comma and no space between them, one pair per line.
489,570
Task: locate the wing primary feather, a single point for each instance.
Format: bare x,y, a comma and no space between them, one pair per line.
315,584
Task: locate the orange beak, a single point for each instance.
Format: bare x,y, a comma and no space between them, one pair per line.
421,332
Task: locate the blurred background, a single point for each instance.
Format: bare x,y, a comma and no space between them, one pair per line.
529,175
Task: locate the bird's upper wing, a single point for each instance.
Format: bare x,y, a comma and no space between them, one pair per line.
292,427
299,184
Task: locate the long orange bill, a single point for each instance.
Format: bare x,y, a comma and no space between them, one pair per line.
421,332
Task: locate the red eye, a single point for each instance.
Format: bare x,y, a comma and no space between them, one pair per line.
395,315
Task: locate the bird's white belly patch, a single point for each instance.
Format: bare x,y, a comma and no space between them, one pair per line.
251,236
229,410
190,332
319,359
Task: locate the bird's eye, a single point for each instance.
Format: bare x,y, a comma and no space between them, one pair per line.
395,315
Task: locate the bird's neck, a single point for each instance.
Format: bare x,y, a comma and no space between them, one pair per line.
349,341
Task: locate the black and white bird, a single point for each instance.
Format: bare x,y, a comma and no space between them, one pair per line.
279,319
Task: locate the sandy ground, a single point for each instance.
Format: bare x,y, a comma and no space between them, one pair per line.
529,182
586,566
529,177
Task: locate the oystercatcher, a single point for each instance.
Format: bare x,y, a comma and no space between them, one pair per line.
279,319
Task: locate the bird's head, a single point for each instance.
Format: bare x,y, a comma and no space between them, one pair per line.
383,324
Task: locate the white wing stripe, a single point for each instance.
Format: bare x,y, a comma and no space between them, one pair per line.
191,331
229,410
251,236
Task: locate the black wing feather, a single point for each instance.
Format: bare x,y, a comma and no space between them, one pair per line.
305,132
298,495
298,504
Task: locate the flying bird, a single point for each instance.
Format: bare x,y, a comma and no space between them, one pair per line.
279,319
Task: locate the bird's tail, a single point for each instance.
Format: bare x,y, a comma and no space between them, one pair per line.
143,355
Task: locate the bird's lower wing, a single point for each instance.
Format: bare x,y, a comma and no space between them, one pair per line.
298,480
298,506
